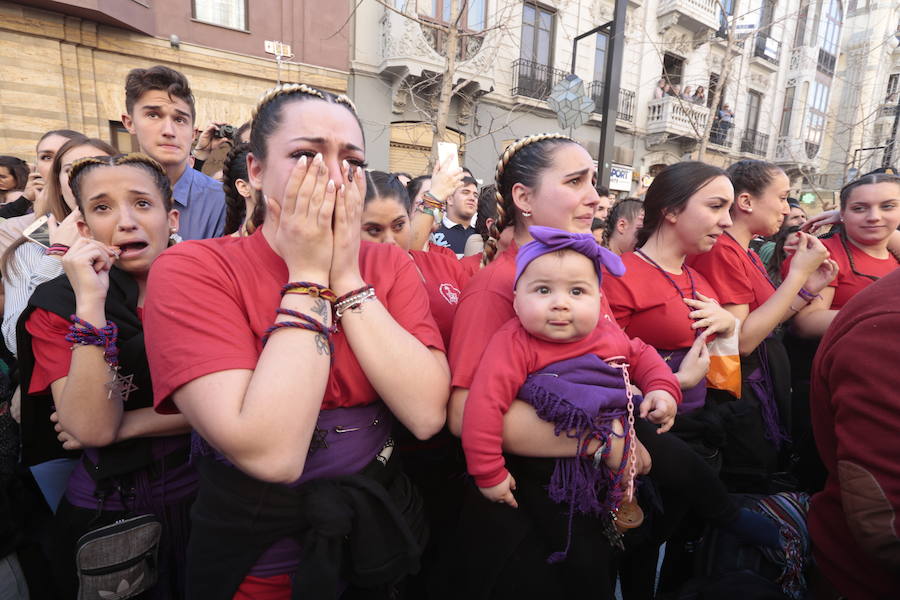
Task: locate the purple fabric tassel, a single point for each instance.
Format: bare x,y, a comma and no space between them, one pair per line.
760,381
581,396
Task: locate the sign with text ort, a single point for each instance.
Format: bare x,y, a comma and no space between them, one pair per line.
620,178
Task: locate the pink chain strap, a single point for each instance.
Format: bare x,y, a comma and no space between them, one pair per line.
630,435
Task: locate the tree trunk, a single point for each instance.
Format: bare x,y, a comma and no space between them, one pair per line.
445,96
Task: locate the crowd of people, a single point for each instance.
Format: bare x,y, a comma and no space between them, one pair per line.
308,379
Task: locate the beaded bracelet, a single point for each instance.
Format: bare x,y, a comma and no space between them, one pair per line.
56,250
82,333
309,289
354,301
343,298
306,322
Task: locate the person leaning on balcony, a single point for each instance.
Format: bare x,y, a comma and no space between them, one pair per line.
688,93
699,96
660,90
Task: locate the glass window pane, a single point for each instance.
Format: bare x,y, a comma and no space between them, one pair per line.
446,12
527,51
475,17
543,49
600,58
528,14
227,13
546,21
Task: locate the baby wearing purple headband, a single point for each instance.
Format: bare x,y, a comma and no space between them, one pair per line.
568,359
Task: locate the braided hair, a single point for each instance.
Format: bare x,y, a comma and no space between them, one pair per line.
267,113
133,159
234,169
523,161
846,192
628,209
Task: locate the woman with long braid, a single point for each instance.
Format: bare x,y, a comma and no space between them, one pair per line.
870,213
544,180
243,210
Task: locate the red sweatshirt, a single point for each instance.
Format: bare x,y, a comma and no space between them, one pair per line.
512,355
855,406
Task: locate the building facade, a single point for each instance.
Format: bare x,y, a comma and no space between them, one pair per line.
65,65
780,65
864,132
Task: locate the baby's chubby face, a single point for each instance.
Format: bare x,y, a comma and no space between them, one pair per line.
558,297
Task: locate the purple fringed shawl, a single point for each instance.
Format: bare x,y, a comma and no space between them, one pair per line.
581,396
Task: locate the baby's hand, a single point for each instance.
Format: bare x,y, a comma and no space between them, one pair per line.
659,407
502,492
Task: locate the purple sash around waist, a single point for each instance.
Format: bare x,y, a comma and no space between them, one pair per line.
692,398
345,440
152,493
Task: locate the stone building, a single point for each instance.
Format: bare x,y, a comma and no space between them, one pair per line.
863,134
784,62
64,62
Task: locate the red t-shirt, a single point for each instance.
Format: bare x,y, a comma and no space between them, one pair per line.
471,264
737,275
210,301
444,277
648,307
445,250
512,355
53,354
847,284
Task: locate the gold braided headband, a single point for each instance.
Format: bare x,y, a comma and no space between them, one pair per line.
515,147
114,161
298,88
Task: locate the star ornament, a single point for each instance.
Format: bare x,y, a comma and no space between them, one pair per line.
568,101
121,387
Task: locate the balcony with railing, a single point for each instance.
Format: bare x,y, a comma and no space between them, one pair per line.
626,101
826,62
533,79
767,49
793,153
721,137
754,142
676,116
699,16
409,47
888,110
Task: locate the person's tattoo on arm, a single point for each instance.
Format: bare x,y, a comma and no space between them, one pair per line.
322,309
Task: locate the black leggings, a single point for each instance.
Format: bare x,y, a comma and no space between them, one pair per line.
686,483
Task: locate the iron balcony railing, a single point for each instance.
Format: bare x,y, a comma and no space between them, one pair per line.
534,79
721,134
754,142
626,101
767,48
826,62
